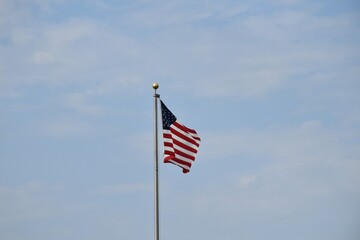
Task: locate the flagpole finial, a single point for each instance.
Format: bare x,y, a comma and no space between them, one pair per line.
155,86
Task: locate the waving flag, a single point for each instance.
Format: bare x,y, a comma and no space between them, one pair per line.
180,143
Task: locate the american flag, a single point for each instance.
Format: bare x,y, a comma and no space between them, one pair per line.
180,143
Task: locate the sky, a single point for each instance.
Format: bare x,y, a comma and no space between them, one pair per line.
272,88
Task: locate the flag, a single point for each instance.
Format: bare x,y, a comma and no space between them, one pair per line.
180,143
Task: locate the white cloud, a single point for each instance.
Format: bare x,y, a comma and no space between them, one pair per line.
139,143
208,49
248,57
125,188
27,201
63,128
291,18
246,180
42,57
308,142
71,52
296,165
79,102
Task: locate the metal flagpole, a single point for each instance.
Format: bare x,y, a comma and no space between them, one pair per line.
156,186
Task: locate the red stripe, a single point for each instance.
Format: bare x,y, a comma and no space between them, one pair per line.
176,148
184,128
187,156
166,160
167,135
167,152
197,138
182,136
167,144
182,162
182,145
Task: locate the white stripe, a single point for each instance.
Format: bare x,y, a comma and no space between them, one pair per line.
183,159
194,136
177,147
166,131
189,144
169,140
170,149
180,165
189,134
180,158
181,131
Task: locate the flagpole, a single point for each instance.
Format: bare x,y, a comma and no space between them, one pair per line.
156,163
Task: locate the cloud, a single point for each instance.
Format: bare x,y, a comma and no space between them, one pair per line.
41,57
139,142
79,102
248,57
286,167
28,201
263,54
65,128
124,188
67,53
303,169
310,141
177,13
247,180
286,177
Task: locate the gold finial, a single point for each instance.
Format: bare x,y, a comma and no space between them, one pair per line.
155,86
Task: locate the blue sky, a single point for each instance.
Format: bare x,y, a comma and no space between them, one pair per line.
270,86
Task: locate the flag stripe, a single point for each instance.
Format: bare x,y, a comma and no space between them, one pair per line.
179,125
184,139
180,131
184,167
191,152
180,142
184,145
181,160
180,148
183,153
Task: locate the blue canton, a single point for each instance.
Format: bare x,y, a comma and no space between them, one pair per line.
167,117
